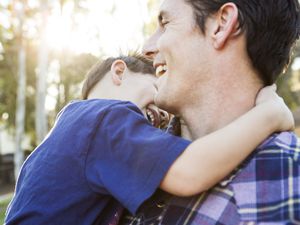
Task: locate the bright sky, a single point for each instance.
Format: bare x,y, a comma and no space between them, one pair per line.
108,26
105,27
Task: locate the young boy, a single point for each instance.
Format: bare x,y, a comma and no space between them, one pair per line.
104,148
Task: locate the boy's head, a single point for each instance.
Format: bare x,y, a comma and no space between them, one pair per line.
135,63
128,78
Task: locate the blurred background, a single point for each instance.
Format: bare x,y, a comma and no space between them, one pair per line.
46,48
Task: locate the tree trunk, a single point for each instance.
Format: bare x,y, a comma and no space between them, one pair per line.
20,112
42,69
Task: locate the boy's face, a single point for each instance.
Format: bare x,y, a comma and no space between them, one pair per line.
140,89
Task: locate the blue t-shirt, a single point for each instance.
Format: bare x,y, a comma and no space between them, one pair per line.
97,150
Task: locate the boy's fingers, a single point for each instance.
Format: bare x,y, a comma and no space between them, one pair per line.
274,87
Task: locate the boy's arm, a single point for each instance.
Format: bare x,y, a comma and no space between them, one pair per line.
209,159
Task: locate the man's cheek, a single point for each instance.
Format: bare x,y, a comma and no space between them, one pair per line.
161,81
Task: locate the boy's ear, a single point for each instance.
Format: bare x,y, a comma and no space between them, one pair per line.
118,69
227,24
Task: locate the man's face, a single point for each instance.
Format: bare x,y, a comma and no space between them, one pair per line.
178,50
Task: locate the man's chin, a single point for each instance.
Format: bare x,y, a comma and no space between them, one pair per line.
157,100
162,103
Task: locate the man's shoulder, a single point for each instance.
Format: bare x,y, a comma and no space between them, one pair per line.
267,185
284,144
272,159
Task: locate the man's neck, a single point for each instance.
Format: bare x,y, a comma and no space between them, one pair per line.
219,107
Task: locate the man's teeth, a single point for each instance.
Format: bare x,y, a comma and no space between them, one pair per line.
160,70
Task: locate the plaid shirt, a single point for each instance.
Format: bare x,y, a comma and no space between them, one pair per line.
265,189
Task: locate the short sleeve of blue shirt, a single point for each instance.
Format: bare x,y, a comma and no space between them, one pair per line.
128,157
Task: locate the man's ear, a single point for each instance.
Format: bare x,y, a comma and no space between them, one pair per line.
117,71
227,24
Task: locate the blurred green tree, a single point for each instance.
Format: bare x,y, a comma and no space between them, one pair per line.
71,72
289,80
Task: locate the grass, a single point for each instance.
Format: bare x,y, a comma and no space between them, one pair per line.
3,206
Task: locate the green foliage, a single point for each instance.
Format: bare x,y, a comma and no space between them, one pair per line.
72,69
8,82
72,72
3,206
285,83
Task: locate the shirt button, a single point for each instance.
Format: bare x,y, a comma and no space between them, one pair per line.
161,204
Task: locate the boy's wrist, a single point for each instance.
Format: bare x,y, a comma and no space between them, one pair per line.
271,116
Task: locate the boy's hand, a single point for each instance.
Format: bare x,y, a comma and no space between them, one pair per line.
275,106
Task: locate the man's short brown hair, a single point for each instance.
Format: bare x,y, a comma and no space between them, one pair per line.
135,63
271,28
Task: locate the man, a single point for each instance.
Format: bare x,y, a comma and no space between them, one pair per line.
213,57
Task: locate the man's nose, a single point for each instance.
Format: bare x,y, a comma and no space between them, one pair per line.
150,48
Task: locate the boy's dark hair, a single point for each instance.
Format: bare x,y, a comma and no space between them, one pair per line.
271,28
135,63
